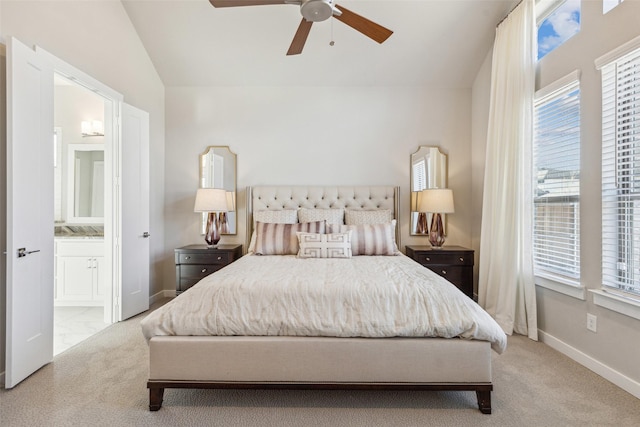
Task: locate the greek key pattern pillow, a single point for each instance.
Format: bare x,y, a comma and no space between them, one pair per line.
281,239
337,245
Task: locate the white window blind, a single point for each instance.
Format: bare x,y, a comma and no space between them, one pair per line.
621,173
419,175
556,164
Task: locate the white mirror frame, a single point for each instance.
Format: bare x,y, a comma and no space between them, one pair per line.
72,179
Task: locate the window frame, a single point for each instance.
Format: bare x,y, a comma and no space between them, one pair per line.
546,278
544,9
605,296
612,6
612,195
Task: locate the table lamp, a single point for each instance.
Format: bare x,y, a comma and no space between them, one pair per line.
436,201
211,200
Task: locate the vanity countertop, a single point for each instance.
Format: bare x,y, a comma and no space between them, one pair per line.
79,231
78,237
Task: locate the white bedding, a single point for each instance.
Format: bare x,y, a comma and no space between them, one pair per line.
364,296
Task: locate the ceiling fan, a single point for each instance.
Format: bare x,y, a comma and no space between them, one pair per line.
316,11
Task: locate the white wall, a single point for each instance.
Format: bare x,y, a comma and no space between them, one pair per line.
314,136
614,349
98,38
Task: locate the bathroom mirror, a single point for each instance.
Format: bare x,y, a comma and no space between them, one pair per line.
85,183
428,170
218,170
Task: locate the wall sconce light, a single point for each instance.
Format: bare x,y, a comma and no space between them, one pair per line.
92,128
436,201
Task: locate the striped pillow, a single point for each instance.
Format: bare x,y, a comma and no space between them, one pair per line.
281,239
336,245
369,239
284,216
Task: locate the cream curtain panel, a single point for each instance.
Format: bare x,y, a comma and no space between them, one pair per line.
506,287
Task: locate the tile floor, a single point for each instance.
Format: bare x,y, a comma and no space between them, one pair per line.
72,325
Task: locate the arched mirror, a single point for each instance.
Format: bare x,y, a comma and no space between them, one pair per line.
218,170
428,170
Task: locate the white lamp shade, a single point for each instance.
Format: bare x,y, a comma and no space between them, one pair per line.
210,200
436,200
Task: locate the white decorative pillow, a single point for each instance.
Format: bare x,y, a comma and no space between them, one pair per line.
337,245
282,216
369,239
332,216
281,239
358,217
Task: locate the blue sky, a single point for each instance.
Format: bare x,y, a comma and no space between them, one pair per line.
559,27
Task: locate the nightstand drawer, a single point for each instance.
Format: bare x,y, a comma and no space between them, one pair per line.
454,263
195,262
189,275
433,257
204,258
453,274
190,272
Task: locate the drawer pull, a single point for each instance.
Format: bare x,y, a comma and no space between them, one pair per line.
461,259
444,272
187,257
204,270
219,258
428,259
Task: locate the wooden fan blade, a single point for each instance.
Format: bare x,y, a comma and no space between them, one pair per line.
236,3
300,38
365,26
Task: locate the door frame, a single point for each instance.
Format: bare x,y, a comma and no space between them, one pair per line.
112,219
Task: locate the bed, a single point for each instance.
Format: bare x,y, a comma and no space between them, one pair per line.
295,314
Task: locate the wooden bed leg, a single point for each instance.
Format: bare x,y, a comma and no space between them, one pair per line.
484,401
155,398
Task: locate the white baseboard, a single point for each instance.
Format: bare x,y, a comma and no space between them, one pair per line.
627,384
161,295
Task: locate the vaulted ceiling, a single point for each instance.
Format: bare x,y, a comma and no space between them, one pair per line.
438,43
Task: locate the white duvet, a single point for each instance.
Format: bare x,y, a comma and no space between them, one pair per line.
365,296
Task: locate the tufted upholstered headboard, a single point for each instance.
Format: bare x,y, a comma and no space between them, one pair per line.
323,197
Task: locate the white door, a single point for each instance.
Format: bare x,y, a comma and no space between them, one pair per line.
30,202
134,241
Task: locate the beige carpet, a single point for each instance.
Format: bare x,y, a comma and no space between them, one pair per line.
102,382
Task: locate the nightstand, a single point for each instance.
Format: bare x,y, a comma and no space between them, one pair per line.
194,262
454,263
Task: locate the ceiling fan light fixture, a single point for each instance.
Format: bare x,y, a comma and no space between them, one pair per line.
316,10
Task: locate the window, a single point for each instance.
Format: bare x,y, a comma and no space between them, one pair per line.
558,21
556,171
607,5
419,175
621,172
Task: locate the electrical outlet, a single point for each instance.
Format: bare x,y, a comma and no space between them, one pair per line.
592,322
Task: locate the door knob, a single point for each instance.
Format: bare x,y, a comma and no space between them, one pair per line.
23,252
146,234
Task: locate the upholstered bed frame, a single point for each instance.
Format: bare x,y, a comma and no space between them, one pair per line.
319,362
